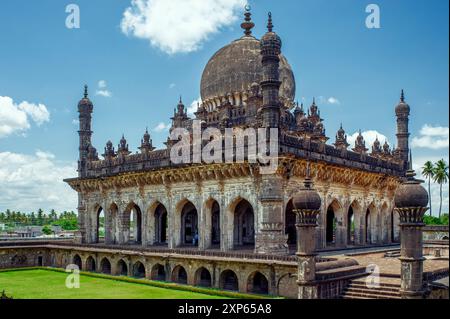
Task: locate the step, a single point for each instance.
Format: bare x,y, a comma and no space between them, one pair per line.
373,291
382,284
361,286
368,296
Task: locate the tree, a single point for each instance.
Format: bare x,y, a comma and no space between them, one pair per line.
40,217
47,230
441,177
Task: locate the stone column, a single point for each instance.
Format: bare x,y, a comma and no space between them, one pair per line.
270,237
411,200
306,253
411,252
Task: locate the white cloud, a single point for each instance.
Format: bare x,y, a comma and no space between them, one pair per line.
369,137
333,100
30,182
194,106
179,25
172,85
326,100
14,118
432,137
101,84
161,127
103,89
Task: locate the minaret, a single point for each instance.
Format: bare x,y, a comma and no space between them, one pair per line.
411,201
402,112
307,203
85,108
270,85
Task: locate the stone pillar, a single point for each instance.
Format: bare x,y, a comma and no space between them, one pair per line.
411,200
306,253
270,236
411,252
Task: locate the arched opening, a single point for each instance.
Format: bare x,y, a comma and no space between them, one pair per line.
161,224
139,270
215,223
110,225
179,275
132,221
122,268
350,226
331,226
203,277
289,224
395,227
189,225
90,264
105,266
77,261
258,284
244,224
228,281
100,225
158,273
368,226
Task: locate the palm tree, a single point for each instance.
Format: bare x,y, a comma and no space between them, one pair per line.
441,177
428,172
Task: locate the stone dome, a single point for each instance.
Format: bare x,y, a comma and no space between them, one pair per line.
235,67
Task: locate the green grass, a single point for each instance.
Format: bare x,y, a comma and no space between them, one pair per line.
50,284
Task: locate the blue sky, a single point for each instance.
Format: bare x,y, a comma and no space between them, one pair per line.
332,53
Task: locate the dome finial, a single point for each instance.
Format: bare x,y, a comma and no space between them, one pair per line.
308,181
85,91
402,96
248,24
269,23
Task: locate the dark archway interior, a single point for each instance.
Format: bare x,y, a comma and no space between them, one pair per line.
77,261
90,264
189,221
368,226
161,224
215,224
204,278
259,284
159,273
139,270
105,266
229,281
289,224
180,275
244,224
122,268
331,226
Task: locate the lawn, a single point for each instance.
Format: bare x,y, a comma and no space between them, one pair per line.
48,284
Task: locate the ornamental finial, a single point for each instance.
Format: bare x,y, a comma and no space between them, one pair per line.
269,23
248,24
85,91
402,96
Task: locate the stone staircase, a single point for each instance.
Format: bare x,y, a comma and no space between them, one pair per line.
389,288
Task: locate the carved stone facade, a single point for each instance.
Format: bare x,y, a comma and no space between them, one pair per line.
148,200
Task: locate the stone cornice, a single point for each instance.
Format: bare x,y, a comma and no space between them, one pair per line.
288,167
